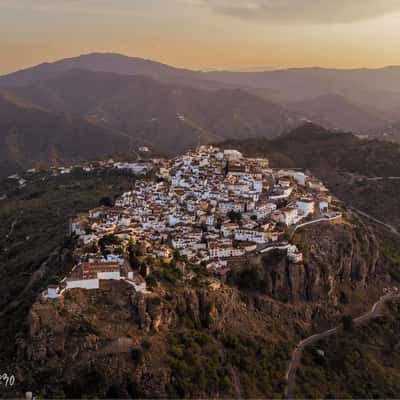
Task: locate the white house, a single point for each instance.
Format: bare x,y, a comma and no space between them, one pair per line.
228,229
264,210
287,216
87,284
305,206
220,250
250,236
233,155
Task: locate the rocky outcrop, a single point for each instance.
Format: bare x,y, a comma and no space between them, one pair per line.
113,337
95,342
336,257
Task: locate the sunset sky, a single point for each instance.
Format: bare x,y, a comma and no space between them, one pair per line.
204,34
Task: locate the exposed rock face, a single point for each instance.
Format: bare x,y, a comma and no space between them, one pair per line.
336,257
90,336
93,342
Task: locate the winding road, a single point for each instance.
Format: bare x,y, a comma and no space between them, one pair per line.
298,351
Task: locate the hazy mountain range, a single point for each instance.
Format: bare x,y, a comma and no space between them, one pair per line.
98,104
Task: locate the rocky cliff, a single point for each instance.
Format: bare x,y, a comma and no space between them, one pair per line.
114,339
336,258
192,341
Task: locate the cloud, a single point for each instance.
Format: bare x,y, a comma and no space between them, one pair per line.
103,7
319,11
300,11
45,4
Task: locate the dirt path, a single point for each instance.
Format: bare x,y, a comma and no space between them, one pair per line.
373,219
10,232
298,351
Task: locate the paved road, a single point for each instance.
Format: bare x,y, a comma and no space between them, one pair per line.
298,351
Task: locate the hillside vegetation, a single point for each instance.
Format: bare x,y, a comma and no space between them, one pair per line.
33,246
362,363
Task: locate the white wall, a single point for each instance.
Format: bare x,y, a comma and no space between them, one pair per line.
109,275
139,287
52,293
83,284
306,207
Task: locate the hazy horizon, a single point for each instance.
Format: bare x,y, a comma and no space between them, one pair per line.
204,34
244,69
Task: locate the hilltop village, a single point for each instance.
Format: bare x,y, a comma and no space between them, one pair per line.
208,207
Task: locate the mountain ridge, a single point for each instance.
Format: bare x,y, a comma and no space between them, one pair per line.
34,137
169,117
374,91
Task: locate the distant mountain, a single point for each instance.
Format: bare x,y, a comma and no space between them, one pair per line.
336,112
369,89
109,99
30,137
376,87
372,91
302,83
322,151
107,62
169,117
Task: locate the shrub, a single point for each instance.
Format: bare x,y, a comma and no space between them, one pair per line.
348,323
137,355
106,201
146,344
151,282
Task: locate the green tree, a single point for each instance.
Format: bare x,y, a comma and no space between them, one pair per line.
348,323
234,216
106,201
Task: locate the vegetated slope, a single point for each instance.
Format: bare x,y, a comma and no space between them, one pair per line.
30,136
171,118
183,343
336,112
361,363
359,172
33,230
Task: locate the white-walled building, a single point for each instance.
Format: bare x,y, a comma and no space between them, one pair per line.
233,155
305,206
250,236
287,216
